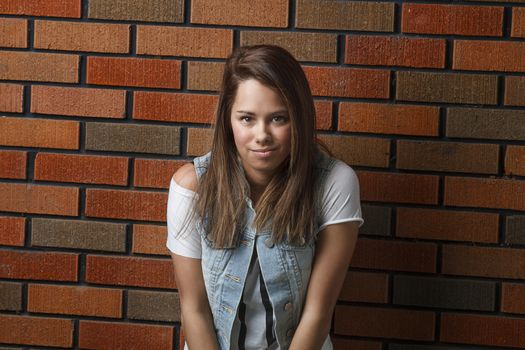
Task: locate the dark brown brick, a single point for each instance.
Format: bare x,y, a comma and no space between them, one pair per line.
424,347
153,306
132,138
515,160
38,66
205,75
51,8
365,287
12,231
313,47
515,228
34,265
198,141
359,150
10,296
345,344
256,13
447,225
518,22
130,271
13,32
447,87
487,55
12,98
13,164
515,91
447,156
155,173
513,298
138,10
78,234
351,15
42,331
377,220
444,293
149,239
385,323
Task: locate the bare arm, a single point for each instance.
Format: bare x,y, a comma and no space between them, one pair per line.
334,250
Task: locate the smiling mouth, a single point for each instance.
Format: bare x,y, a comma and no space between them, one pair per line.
263,152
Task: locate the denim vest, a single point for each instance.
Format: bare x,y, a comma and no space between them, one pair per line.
285,269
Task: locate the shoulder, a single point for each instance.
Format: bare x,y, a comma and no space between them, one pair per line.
341,179
186,177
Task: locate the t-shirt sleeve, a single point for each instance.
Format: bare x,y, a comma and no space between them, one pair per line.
183,237
341,200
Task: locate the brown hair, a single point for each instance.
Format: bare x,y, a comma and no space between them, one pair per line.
288,200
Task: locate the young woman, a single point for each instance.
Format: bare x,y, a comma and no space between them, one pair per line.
262,228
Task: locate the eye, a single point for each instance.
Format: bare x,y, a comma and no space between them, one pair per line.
280,119
245,119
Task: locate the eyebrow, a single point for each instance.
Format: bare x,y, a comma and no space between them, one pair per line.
276,112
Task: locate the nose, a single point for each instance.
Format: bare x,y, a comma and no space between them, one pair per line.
262,134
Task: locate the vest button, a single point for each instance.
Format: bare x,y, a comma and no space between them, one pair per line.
268,242
287,306
290,333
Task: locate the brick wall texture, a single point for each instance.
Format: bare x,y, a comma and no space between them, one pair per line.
101,101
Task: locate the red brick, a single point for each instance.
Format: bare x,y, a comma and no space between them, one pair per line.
452,19
345,344
155,173
45,133
13,164
515,160
81,36
384,323
389,119
348,82
29,198
74,300
180,41
13,32
482,330
365,287
37,66
130,271
177,107
447,225
514,91
513,298
395,255
35,265
496,262
139,72
323,111
518,22
395,51
81,168
257,13
106,335
11,98
149,239
12,231
134,205
484,193
397,187
42,331
47,8
487,55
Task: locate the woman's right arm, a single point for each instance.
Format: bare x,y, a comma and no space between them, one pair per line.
196,314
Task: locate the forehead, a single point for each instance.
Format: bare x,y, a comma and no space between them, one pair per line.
251,94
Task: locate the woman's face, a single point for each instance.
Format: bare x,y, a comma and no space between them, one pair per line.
261,129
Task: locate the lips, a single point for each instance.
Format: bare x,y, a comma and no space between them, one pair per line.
263,153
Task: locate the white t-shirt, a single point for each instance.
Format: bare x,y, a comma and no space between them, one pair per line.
340,203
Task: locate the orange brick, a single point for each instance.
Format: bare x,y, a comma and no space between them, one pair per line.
518,22
515,160
484,193
13,32
447,225
384,323
395,51
452,19
29,132
29,198
34,265
149,239
256,13
81,36
154,172
81,168
180,41
37,66
365,287
487,55
42,331
397,187
395,255
13,164
11,98
135,205
82,102
139,72
74,300
130,271
389,119
177,107
12,231
49,8
106,335
348,82
323,111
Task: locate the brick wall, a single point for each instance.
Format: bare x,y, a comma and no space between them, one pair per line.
102,101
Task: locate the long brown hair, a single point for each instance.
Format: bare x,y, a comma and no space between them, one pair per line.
288,201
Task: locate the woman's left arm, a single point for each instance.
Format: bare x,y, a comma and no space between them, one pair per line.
334,249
